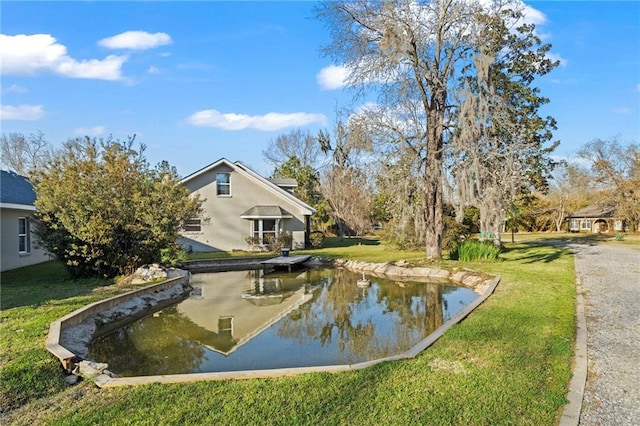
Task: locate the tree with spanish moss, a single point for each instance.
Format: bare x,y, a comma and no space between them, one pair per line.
501,147
412,55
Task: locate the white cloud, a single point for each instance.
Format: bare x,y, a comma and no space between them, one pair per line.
332,77
21,112
533,16
621,110
90,131
28,54
557,57
638,87
136,40
267,122
14,88
153,70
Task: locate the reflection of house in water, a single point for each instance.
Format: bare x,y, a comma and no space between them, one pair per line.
233,314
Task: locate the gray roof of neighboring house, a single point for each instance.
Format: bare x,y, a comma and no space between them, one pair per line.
266,212
594,211
16,189
284,182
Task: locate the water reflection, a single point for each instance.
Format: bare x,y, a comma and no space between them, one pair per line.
250,320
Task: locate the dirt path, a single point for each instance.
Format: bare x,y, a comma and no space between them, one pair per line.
609,278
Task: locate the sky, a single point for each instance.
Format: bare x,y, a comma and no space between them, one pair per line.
199,81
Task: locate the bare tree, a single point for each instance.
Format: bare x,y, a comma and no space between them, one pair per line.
569,190
616,169
345,185
24,154
298,144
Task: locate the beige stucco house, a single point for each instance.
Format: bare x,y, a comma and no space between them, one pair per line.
18,245
239,203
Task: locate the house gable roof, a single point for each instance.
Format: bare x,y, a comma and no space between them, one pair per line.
16,191
263,182
593,211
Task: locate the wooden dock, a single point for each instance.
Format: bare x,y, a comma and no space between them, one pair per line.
285,261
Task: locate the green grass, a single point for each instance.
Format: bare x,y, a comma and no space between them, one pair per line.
30,299
507,363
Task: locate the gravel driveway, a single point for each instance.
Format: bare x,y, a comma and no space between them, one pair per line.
609,277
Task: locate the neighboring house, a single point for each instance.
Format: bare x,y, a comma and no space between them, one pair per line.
596,219
239,203
18,247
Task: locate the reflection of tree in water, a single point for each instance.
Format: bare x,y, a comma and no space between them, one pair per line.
168,343
342,314
419,305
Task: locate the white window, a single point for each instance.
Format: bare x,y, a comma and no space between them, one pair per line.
223,184
264,228
575,225
225,326
193,225
585,224
24,243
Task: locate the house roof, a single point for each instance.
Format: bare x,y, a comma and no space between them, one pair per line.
266,212
16,191
284,182
594,211
250,174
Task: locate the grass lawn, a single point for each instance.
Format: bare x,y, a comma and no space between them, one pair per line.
507,363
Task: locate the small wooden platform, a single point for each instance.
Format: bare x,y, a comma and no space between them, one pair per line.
286,261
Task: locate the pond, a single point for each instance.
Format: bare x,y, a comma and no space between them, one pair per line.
252,320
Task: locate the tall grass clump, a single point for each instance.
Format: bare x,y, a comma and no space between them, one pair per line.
472,250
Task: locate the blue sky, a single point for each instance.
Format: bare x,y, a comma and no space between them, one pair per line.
197,81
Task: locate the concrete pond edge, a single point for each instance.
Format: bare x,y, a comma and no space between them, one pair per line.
482,284
151,295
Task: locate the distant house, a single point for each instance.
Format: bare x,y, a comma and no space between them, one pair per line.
239,203
595,219
18,247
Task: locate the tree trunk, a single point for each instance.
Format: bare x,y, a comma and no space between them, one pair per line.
560,218
432,199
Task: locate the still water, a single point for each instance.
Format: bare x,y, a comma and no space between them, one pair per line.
249,320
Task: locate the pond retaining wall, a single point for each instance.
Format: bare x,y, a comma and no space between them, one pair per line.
482,284
66,356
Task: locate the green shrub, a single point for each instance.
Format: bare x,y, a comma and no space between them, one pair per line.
454,234
172,256
471,250
316,238
276,244
619,236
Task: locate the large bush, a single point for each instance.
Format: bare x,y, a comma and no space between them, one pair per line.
103,211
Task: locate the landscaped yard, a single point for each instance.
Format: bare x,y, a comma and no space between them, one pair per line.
507,363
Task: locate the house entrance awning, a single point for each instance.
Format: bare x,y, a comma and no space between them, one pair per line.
266,212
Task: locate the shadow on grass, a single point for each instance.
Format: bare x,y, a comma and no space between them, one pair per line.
530,255
36,284
559,242
331,242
